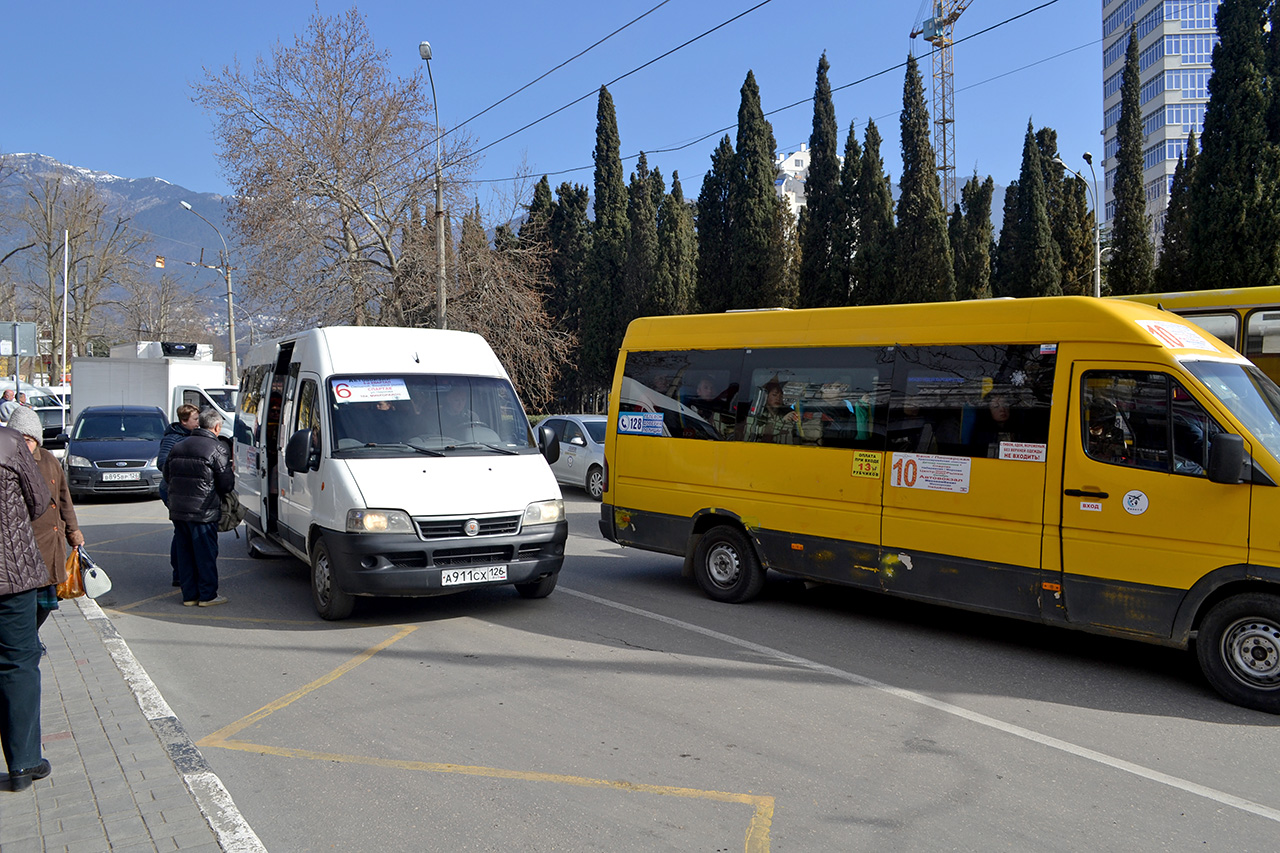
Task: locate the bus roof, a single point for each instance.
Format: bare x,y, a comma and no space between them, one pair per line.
1037,320
1234,298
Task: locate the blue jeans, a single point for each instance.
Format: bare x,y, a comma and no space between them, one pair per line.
195,550
19,680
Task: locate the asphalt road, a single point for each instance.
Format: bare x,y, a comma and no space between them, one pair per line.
627,712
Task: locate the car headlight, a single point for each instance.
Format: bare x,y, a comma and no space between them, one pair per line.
152,463
544,512
378,521
78,462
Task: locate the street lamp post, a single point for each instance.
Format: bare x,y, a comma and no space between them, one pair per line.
226,273
424,50
1097,220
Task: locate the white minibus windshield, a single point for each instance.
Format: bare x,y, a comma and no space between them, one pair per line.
1248,394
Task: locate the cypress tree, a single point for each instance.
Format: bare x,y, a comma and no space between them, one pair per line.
569,231
971,240
1235,235
1073,232
1132,254
677,254
822,283
873,270
540,212
715,226
922,250
1175,249
845,242
600,333
642,253
1030,264
757,260
1005,250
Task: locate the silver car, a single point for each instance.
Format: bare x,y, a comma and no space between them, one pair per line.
581,461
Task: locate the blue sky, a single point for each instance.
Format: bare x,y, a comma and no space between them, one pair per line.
107,85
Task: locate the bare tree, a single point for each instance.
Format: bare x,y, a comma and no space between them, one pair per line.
151,310
331,159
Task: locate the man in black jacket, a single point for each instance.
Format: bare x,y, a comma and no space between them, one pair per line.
199,473
188,422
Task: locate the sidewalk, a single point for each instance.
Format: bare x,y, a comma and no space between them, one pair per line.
126,777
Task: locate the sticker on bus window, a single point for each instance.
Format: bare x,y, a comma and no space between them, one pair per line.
369,390
1023,451
640,423
1175,335
1048,349
931,472
866,463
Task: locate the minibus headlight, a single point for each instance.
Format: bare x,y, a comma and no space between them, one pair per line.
78,462
544,512
378,521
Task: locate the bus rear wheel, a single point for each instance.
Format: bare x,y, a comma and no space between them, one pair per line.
726,567
1239,650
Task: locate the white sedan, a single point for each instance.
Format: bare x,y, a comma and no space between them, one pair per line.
581,461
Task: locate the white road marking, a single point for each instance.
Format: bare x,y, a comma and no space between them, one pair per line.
1084,752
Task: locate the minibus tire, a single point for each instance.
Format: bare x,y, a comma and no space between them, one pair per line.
726,567
1239,650
540,588
330,601
595,482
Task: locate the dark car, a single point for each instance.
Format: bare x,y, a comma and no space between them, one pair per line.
112,450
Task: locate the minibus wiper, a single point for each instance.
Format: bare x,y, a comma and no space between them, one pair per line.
495,448
398,444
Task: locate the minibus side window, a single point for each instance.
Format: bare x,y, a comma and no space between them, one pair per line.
1262,340
250,397
695,391
309,411
1136,419
971,400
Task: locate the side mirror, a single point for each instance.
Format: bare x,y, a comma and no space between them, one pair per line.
299,456
63,437
1226,458
548,445
578,440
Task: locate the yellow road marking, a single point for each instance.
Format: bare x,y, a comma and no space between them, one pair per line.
225,732
757,840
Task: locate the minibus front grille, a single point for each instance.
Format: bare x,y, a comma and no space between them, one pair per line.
453,528
471,556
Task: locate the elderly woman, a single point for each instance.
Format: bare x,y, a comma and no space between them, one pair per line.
52,529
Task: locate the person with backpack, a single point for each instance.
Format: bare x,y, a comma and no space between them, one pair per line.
198,472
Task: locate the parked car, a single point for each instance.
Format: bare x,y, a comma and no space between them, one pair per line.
52,411
581,461
112,450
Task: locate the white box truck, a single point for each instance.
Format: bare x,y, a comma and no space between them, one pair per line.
165,382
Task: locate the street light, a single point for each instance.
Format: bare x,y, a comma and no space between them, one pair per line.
1097,220
226,272
424,50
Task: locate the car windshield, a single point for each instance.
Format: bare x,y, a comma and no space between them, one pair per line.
1248,394
595,429
109,426
43,401
398,414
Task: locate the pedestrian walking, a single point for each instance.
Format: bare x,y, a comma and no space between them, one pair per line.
23,497
57,528
188,422
198,471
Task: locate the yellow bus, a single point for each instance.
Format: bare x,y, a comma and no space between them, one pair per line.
1246,318
1095,464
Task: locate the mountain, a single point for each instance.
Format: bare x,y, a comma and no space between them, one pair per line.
152,205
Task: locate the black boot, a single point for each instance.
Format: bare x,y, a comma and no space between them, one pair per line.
20,780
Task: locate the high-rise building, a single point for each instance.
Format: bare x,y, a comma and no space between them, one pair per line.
1175,51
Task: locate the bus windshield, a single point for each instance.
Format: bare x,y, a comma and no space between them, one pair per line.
426,412
1248,394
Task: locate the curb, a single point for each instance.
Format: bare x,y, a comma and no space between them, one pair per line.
215,803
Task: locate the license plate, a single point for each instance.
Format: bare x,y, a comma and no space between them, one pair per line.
487,574
112,476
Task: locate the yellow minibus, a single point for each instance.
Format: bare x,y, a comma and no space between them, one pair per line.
1247,319
1096,464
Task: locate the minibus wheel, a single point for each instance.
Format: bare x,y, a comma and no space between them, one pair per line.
1239,650
330,601
726,567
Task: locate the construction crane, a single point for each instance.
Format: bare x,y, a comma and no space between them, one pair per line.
937,31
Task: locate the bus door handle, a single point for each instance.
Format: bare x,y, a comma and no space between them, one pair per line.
1080,493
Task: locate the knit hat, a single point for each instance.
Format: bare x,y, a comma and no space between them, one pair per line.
27,422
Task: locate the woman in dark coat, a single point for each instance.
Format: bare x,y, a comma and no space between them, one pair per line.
54,529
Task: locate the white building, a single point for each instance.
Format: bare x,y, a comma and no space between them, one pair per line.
1175,50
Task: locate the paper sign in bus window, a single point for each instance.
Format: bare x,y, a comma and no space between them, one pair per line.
640,423
930,472
369,390
1176,335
